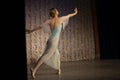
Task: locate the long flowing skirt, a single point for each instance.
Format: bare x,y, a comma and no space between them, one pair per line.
51,55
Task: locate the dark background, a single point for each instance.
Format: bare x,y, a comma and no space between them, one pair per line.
13,39
107,14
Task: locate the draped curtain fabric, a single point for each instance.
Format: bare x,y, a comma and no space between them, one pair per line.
76,41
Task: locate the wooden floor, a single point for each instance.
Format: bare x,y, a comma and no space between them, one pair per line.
81,70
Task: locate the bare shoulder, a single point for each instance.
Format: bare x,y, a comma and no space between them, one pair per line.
63,18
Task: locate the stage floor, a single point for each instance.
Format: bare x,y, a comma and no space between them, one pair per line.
80,70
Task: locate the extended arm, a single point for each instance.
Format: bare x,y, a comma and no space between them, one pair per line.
73,14
65,19
44,25
70,15
30,31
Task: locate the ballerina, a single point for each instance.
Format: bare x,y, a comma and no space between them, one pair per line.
51,54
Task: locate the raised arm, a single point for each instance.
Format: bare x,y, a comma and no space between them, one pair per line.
73,14
70,15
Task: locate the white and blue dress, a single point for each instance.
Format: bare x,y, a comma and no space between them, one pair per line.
51,54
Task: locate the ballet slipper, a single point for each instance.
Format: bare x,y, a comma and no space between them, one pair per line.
32,73
59,72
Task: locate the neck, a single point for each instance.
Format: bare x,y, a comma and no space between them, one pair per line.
56,16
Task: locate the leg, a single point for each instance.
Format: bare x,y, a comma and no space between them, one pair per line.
40,61
33,70
49,51
59,63
54,61
59,71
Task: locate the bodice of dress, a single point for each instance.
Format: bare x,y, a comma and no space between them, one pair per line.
55,33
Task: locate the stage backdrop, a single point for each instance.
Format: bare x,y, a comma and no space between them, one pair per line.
76,41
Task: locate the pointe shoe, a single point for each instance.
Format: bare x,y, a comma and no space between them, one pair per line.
33,75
